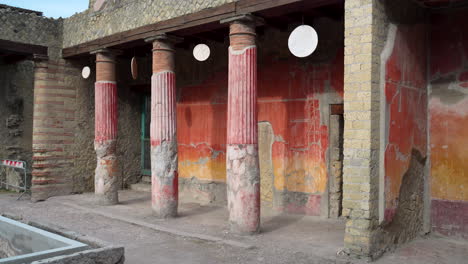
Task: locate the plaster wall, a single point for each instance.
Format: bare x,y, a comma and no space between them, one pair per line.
293,105
448,109
405,113
385,124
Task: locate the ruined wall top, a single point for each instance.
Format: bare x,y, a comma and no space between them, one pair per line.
27,26
120,15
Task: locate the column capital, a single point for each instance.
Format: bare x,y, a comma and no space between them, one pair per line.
163,37
163,52
111,52
105,64
246,18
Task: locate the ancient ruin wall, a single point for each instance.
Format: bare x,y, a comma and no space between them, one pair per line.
121,15
385,97
16,100
405,113
30,28
17,80
293,103
448,118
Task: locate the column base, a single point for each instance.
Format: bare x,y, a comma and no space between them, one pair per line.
105,200
243,189
164,180
107,177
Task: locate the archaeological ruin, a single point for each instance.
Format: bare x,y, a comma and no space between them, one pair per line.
368,128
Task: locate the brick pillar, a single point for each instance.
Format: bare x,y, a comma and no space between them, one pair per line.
243,173
164,175
364,39
41,178
108,175
53,126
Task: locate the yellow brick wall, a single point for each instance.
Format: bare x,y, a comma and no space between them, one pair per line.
364,40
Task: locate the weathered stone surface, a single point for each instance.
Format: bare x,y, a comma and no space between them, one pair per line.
165,189
266,138
120,15
107,255
243,188
366,30
16,99
108,173
32,29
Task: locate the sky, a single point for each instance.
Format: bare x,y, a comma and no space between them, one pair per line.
51,8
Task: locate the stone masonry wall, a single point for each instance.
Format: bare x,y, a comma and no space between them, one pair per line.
62,140
364,38
16,100
121,15
54,128
30,28
366,30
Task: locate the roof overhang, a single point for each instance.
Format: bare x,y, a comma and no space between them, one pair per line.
12,51
194,23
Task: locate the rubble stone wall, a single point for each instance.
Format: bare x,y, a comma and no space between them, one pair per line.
30,28
16,111
121,15
17,81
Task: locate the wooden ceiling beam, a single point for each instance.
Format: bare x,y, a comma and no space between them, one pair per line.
202,21
18,48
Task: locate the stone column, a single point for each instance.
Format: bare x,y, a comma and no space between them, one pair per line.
108,174
243,173
164,176
41,177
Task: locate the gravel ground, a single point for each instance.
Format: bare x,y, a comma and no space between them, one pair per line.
284,238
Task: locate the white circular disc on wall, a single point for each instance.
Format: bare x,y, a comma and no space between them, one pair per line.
134,68
201,52
303,41
86,72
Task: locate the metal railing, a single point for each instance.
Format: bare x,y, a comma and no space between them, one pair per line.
18,165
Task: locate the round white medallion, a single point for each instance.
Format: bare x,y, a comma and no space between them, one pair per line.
134,68
201,52
303,41
86,72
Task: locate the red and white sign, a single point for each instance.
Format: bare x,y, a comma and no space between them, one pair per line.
13,163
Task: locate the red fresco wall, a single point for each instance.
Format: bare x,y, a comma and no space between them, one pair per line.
406,99
290,94
448,107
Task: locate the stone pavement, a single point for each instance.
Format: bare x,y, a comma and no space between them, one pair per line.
201,235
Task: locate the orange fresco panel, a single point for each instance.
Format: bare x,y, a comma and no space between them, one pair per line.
449,155
406,98
449,118
288,99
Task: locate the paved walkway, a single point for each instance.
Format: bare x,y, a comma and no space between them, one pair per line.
201,234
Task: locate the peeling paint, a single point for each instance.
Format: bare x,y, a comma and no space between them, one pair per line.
406,107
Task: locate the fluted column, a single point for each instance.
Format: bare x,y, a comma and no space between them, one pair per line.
108,173
164,176
243,174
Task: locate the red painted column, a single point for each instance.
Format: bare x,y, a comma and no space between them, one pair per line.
108,174
164,177
243,173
